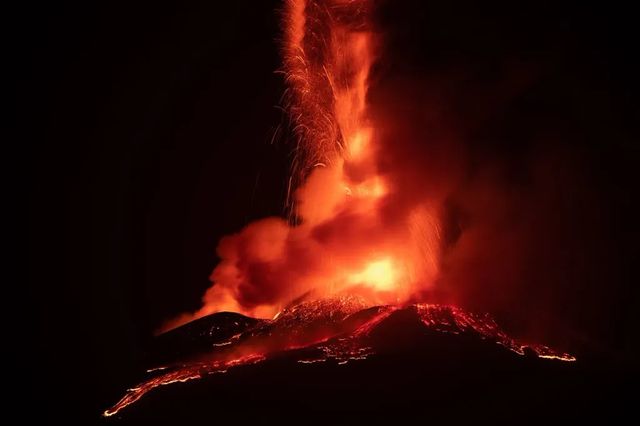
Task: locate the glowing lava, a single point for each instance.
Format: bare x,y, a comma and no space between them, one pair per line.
179,375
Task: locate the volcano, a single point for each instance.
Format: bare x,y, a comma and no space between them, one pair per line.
328,308
340,354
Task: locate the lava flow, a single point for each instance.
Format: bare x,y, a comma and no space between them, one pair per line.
330,330
360,248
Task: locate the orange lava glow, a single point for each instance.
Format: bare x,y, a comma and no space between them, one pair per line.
179,375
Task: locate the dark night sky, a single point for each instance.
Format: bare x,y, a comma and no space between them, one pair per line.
148,138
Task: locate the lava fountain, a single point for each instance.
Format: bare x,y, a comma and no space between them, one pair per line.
338,239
